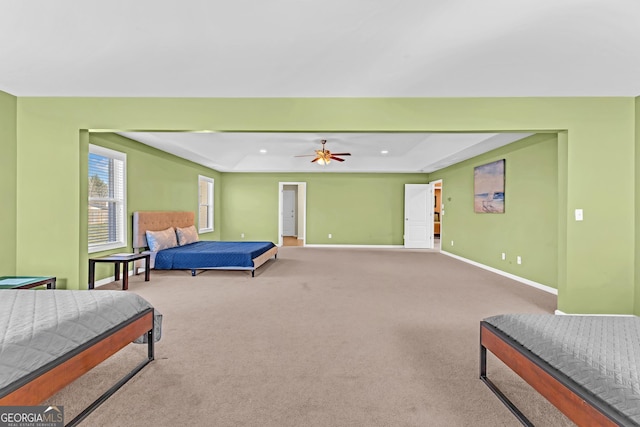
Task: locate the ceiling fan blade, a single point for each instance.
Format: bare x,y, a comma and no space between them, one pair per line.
324,156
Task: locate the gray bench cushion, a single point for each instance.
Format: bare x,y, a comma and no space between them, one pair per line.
39,326
601,353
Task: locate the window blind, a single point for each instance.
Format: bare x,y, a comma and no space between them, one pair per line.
106,210
205,203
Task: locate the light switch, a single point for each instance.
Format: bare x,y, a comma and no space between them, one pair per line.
579,215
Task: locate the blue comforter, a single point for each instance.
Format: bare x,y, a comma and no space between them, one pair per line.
207,254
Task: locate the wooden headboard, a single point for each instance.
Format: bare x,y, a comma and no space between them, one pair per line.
156,221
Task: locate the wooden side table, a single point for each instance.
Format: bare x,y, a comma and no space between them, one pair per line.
117,259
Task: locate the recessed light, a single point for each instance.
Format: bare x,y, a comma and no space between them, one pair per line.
384,152
263,151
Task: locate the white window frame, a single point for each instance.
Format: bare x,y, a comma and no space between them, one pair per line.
210,205
122,232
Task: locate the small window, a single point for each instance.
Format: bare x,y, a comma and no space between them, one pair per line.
107,221
205,207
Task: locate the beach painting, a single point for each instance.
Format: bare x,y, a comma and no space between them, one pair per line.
488,187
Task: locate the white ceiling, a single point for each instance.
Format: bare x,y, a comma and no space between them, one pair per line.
320,48
407,152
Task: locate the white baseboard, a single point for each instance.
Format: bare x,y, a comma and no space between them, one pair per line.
108,280
562,313
530,283
354,246
505,274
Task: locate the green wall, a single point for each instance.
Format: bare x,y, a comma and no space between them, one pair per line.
528,228
8,148
357,209
637,206
155,181
600,159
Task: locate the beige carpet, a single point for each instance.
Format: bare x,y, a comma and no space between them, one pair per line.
320,337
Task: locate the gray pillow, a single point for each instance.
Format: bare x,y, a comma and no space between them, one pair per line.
187,235
158,240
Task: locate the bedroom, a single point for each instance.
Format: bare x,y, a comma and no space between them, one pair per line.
36,148
50,130
364,209
586,147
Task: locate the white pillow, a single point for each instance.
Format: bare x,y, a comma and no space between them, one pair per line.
187,235
158,240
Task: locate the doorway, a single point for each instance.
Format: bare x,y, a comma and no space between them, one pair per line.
292,213
438,212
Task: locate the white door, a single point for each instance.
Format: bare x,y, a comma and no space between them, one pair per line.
418,216
289,213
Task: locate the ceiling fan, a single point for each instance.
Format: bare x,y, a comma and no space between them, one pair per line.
324,156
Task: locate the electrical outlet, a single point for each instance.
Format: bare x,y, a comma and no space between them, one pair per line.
330,236
504,256
452,243
242,235
519,259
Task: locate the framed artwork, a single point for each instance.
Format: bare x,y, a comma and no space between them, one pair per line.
488,187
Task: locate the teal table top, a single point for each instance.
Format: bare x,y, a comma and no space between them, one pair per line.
13,282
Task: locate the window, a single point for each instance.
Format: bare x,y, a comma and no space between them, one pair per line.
205,207
107,201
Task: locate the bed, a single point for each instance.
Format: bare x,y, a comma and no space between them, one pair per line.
587,366
194,254
49,338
